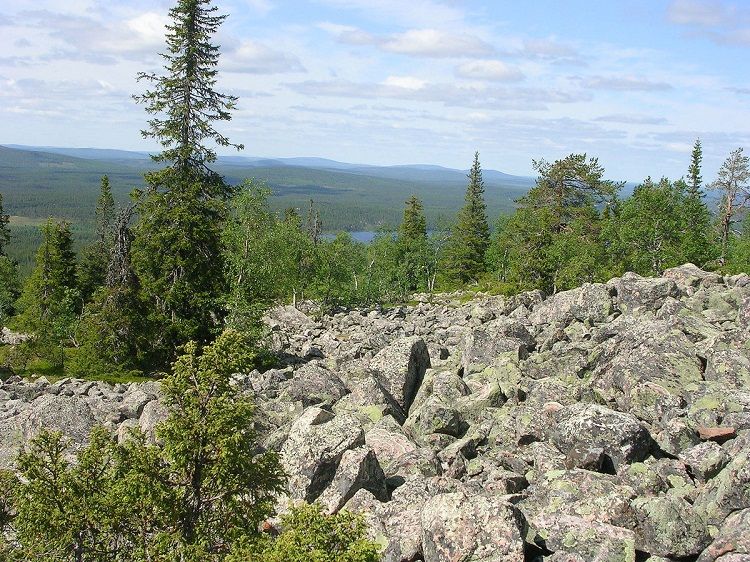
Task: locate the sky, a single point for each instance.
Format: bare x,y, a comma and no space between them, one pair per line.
389,82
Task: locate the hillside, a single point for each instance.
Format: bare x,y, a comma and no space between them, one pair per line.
609,422
41,182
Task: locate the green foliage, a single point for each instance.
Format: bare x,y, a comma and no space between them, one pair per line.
309,535
176,256
695,180
92,268
268,260
733,183
187,92
204,488
4,230
471,235
217,487
554,239
9,289
50,302
414,256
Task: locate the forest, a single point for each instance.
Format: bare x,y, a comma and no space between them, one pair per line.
173,281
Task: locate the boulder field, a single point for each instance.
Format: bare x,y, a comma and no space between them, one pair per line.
606,423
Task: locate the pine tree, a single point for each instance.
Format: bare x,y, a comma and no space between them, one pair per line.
471,235
176,253
9,285
733,182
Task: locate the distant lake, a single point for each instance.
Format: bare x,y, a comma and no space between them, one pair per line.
365,236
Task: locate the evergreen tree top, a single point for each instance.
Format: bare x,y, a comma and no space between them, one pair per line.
4,230
694,170
184,100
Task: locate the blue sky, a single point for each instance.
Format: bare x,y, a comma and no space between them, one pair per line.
397,82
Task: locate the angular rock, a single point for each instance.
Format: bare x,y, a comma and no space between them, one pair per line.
590,426
638,294
458,527
314,384
588,303
669,527
400,368
482,345
732,543
358,469
316,443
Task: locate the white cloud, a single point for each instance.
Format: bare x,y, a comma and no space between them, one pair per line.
253,57
706,13
493,70
412,13
623,84
632,119
437,44
406,82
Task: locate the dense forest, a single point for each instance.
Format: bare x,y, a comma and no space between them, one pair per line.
172,283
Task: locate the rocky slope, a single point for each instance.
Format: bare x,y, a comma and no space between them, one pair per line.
609,423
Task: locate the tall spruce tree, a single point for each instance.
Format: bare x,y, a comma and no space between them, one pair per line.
697,241
50,302
176,253
8,271
95,258
413,246
695,179
471,235
733,181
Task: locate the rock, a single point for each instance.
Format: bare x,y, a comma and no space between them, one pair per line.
587,427
669,527
400,368
313,384
732,543
458,527
435,416
728,491
583,539
589,303
358,469
482,345
689,277
316,443
718,434
704,461
638,294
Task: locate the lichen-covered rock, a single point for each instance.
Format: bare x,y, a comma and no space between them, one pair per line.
732,543
316,443
358,469
583,539
670,527
637,294
590,426
482,345
590,302
727,492
456,526
704,461
314,384
400,368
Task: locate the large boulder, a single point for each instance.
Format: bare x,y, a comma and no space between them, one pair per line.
358,469
591,426
689,277
732,543
639,294
727,492
314,384
483,344
456,526
400,368
669,526
588,303
316,443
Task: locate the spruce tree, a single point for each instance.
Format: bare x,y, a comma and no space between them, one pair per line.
49,303
95,258
176,253
471,235
8,271
697,241
694,170
413,246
